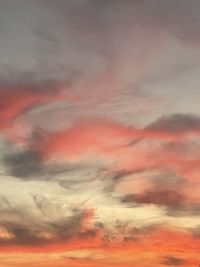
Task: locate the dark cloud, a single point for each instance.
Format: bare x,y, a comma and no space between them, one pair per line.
172,261
187,209
72,227
37,233
166,189
29,165
21,236
176,123
167,198
24,164
167,178
176,203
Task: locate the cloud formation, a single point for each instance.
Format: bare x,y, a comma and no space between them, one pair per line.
99,133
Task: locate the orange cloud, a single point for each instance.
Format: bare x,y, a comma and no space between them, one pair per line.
129,148
95,135
159,247
16,99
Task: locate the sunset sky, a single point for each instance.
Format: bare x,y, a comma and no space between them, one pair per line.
99,133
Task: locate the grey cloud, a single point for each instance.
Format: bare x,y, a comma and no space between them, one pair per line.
24,164
41,39
176,123
188,209
72,226
50,40
27,164
172,261
166,188
21,236
174,201
33,232
167,198
28,83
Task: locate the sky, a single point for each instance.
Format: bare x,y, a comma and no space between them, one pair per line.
99,133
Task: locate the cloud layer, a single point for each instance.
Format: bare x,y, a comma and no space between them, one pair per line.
99,133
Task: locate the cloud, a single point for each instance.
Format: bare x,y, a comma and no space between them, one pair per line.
27,164
92,116
18,97
173,261
176,124
157,149
24,164
187,209
76,226
105,137
172,196
167,198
